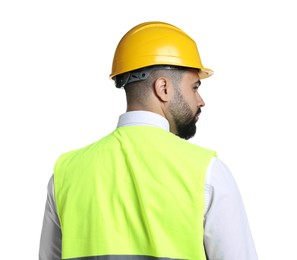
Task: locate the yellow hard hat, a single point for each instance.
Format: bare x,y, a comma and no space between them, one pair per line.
156,43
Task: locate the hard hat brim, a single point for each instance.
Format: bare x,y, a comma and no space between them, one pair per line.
205,73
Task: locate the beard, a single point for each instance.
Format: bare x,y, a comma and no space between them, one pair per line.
183,117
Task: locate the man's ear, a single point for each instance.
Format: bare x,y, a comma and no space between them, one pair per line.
163,89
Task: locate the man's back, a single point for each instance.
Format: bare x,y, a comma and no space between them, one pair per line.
138,191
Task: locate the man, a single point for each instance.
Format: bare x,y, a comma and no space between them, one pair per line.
143,192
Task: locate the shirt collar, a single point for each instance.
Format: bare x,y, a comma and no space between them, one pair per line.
142,118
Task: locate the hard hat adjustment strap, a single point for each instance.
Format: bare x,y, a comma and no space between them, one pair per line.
139,75
133,76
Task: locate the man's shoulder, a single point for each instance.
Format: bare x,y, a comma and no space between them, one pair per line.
84,149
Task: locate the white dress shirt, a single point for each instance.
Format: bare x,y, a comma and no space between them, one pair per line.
227,234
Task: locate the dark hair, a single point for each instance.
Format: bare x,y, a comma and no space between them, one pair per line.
139,89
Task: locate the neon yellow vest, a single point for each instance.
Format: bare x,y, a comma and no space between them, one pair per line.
138,191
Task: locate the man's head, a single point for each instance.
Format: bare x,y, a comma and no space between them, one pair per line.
160,68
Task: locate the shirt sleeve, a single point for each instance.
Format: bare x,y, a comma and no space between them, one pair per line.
51,237
227,234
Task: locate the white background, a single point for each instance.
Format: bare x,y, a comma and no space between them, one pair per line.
56,95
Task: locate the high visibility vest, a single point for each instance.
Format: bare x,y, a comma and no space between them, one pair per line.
138,193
